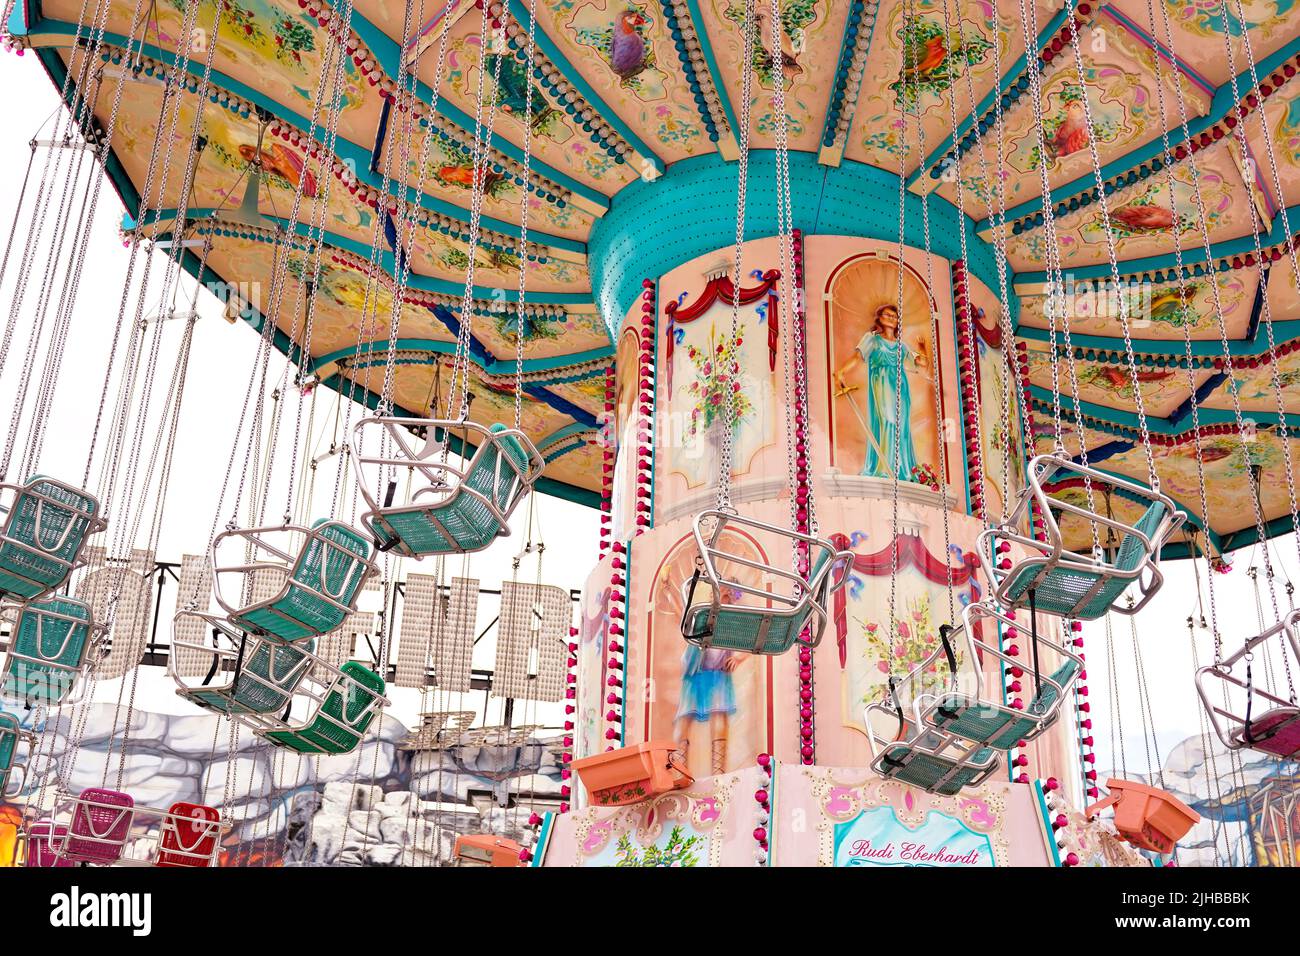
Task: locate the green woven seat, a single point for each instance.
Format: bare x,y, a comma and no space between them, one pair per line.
460,523
738,628
907,763
50,642
9,734
341,721
42,539
999,727
1060,590
321,569
278,665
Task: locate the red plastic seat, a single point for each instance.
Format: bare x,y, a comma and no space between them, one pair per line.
190,836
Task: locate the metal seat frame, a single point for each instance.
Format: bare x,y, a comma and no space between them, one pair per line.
21,736
804,597
1232,725
269,555
11,494
318,692
1052,554
929,707
242,648
443,479
43,662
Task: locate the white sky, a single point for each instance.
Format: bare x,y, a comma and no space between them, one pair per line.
219,375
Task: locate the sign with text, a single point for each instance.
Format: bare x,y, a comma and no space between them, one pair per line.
876,837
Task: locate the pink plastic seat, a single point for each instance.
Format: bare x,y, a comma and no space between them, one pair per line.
100,823
44,843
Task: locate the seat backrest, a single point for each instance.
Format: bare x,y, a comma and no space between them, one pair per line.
348,705
9,729
1131,550
189,835
48,527
274,664
100,824
41,635
332,570
484,478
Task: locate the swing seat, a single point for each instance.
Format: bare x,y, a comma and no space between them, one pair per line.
912,762
634,773
101,821
265,684
320,589
51,644
341,719
486,849
784,617
1246,716
1068,584
457,510
1276,732
11,735
190,836
956,714
45,841
1146,816
998,726
45,530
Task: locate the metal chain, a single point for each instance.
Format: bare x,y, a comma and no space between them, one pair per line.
749,29
478,188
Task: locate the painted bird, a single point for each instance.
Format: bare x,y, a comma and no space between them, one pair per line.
931,54
627,54
1072,135
790,67
1144,218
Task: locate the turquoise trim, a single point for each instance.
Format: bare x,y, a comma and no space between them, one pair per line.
1170,352
1221,105
495,367
543,839
584,89
711,64
345,149
1045,816
1124,418
839,88
690,211
560,434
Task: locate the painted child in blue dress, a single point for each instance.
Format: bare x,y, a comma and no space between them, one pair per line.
889,396
708,694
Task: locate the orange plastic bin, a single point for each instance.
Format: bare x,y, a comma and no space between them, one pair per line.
485,849
632,774
1146,816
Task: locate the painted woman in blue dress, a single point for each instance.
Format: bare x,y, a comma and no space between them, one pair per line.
889,396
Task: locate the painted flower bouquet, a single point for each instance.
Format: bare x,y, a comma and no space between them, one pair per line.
716,388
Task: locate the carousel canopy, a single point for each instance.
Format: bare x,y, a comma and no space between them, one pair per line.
629,125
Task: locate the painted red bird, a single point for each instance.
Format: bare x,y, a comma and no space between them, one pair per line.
1072,135
932,54
1151,218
